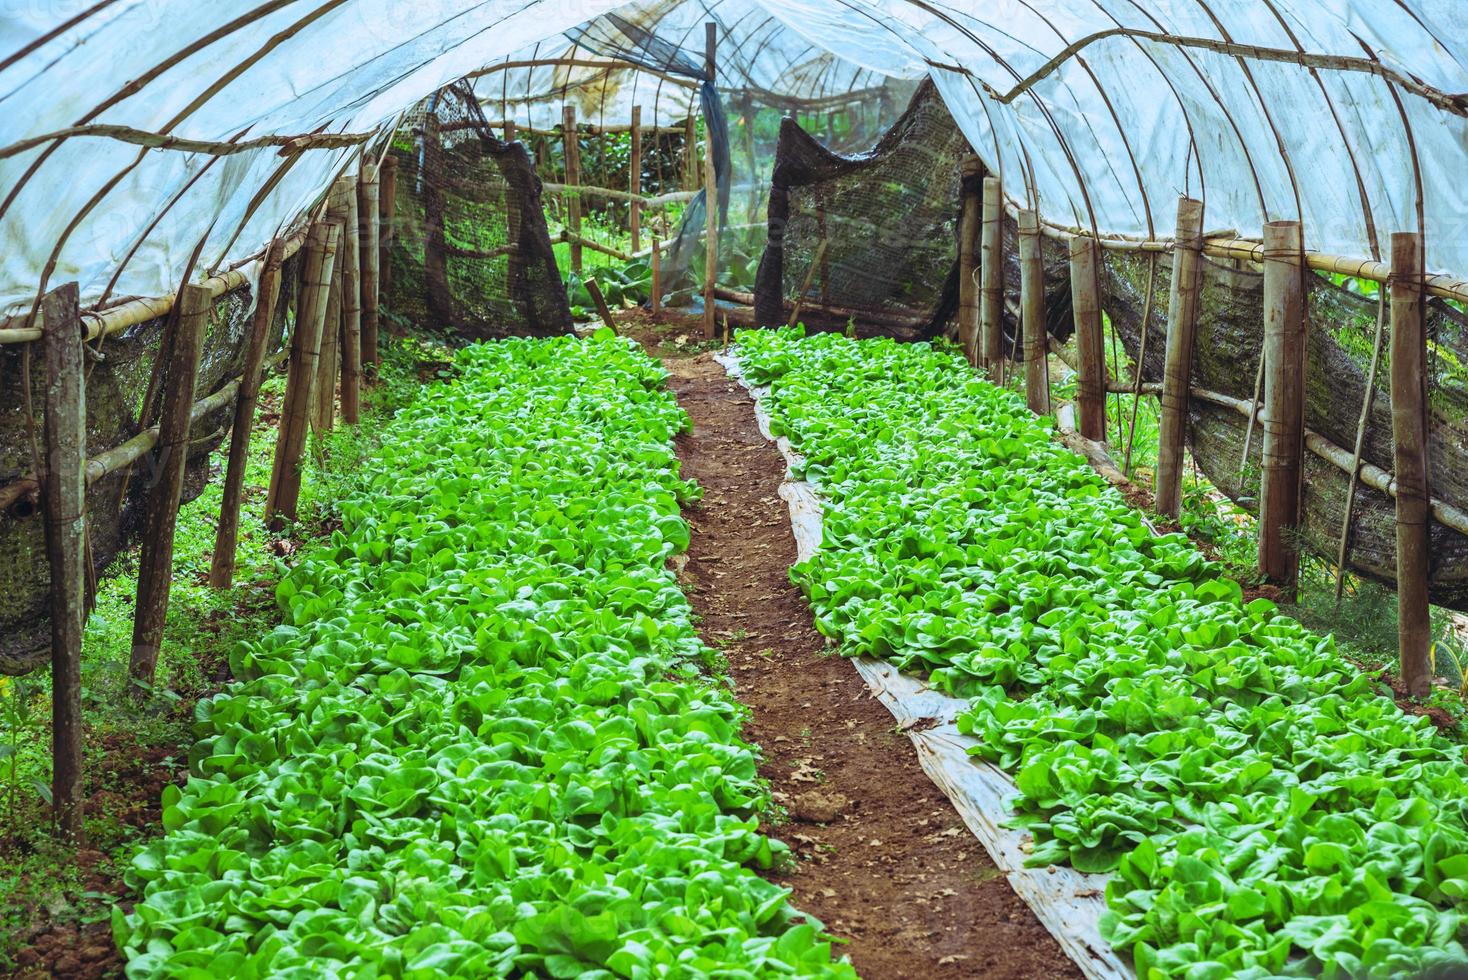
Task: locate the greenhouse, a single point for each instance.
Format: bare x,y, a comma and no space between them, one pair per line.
734,488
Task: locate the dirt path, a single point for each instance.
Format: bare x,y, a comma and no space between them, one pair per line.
883,858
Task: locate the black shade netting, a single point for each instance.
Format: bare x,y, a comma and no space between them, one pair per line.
888,219
1342,328
117,382
471,254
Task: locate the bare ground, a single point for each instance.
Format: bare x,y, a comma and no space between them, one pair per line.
883,859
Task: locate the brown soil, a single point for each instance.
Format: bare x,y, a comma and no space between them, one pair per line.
882,858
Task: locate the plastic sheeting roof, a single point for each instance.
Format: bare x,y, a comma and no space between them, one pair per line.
1108,139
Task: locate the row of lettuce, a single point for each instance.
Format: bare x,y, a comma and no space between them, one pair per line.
480,744
1265,809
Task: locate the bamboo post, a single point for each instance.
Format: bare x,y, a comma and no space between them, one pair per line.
1032,314
972,170
316,274
64,496
155,566
1283,419
1085,298
1409,440
991,273
710,49
387,202
634,180
710,241
350,349
572,150
510,131
226,535
369,249
690,153
323,413
657,275
1182,323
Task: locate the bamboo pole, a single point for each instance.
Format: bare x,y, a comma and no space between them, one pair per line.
710,241
155,565
1409,439
634,179
991,272
1367,401
1085,294
971,170
323,412
810,272
1182,322
226,535
369,211
1032,314
571,146
387,202
691,168
65,493
316,275
350,345
1284,402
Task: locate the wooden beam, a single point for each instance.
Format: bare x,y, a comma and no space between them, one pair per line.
1182,324
226,535
1409,440
634,179
323,409
991,284
1032,314
971,171
1085,297
370,211
65,493
1283,417
155,565
571,147
316,275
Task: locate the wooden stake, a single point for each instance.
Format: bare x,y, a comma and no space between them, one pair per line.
350,348
1032,314
155,566
710,241
316,275
657,275
226,536
1085,298
1409,439
634,179
369,210
510,133
710,50
600,302
991,279
64,497
1182,324
968,264
387,202
572,149
1283,418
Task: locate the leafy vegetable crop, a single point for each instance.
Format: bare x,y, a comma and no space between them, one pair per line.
479,746
1266,810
